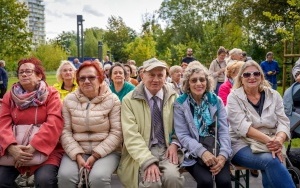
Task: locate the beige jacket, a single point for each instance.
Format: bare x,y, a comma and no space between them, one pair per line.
91,125
242,115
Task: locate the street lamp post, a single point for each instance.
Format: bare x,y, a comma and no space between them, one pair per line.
100,50
80,36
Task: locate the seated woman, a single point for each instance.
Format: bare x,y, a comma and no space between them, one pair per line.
258,126
176,74
291,97
119,86
65,76
196,112
128,78
31,101
92,134
231,70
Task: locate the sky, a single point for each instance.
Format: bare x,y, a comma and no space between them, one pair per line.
61,15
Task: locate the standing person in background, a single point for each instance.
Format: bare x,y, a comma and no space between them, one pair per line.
31,101
3,79
65,76
189,58
107,61
271,69
217,69
76,63
235,54
150,144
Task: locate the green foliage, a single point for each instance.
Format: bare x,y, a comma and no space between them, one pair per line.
141,49
51,55
117,37
15,39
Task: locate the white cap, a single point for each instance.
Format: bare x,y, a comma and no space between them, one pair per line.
153,63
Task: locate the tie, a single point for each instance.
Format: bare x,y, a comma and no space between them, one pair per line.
157,122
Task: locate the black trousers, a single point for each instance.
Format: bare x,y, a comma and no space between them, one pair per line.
2,92
203,176
44,177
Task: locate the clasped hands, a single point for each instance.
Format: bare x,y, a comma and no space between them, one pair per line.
215,163
88,164
152,172
275,146
22,154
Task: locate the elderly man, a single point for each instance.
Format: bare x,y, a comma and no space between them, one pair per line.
150,145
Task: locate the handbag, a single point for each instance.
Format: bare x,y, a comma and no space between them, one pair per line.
23,135
256,146
210,142
83,178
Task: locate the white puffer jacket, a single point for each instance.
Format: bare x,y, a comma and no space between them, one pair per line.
91,125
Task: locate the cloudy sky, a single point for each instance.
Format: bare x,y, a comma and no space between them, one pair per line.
61,14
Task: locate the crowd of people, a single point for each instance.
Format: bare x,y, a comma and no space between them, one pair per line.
147,122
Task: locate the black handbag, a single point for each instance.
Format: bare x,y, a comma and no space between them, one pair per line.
209,142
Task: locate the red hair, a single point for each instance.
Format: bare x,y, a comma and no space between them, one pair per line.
85,64
38,67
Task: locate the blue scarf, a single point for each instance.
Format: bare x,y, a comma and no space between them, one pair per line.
202,117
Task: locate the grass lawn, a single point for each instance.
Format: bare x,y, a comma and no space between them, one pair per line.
50,79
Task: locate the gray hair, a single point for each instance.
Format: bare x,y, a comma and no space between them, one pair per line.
2,62
58,71
195,67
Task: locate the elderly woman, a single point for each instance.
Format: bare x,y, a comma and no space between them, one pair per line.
198,113
65,76
231,71
128,78
31,101
235,54
258,126
119,86
217,68
92,133
175,74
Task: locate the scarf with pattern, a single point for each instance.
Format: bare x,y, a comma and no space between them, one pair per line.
24,100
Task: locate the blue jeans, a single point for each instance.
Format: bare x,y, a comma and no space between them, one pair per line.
44,176
274,173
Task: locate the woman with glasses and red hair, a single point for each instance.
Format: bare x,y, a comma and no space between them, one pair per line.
92,134
258,126
31,101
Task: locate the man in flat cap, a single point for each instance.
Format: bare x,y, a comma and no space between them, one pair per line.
149,157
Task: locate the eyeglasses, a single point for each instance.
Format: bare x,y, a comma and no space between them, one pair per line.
28,72
90,78
195,80
249,74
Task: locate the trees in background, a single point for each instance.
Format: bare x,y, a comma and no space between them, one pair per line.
254,26
15,40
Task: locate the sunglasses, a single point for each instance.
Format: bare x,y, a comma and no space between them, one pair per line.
249,74
195,80
90,78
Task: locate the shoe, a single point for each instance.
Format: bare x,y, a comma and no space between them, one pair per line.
254,173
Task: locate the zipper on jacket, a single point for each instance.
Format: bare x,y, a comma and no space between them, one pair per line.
87,124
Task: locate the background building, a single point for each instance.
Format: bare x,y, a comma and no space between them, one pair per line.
36,20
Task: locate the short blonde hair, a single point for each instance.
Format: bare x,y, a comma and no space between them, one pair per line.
232,67
238,79
58,71
195,67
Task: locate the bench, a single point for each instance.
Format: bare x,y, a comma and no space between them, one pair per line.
239,173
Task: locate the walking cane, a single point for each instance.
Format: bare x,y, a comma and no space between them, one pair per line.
215,149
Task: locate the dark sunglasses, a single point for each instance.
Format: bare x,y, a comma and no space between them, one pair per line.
248,74
90,78
195,80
